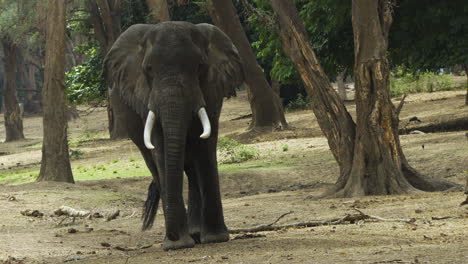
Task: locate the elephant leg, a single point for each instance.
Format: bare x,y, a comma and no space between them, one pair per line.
194,198
177,231
213,228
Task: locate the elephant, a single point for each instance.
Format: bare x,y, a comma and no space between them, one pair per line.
171,79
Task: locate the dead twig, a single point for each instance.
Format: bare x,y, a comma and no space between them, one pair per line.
279,218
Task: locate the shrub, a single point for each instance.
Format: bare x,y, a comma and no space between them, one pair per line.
85,82
231,151
302,102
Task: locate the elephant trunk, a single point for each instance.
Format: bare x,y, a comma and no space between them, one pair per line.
174,123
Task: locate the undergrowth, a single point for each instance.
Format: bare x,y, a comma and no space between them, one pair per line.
302,102
231,151
422,82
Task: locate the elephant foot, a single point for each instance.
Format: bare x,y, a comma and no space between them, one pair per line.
185,241
215,237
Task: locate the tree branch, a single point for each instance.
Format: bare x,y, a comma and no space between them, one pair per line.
400,105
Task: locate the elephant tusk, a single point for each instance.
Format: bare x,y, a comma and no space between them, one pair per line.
148,128
205,123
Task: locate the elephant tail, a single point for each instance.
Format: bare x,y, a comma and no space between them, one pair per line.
151,206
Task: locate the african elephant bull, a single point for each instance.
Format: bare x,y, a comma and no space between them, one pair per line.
175,75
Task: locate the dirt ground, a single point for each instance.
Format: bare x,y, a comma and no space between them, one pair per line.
282,180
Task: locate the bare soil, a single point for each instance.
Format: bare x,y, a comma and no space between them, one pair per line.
293,168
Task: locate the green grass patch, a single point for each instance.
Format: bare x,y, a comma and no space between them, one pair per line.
422,82
101,171
19,177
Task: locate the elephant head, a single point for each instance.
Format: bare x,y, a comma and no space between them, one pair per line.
175,75
160,69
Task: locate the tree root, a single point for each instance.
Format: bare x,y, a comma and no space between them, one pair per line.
347,219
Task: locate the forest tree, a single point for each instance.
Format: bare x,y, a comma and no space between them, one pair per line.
55,164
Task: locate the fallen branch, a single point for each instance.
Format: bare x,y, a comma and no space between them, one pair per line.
441,217
70,212
347,219
381,219
259,228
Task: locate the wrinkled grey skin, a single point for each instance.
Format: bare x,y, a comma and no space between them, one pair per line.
174,69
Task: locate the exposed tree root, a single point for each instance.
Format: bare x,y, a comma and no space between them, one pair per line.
347,219
424,183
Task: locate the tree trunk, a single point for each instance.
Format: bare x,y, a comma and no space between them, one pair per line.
55,164
105,16
26,73
159,11
13,118
267,111
332,116
31,101
369,153
340,81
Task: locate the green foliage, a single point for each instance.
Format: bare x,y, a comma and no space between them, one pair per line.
133,12
232,151
328,23
429,34
285,147
17,19
85,82
300,103
267,45
194,12
422,82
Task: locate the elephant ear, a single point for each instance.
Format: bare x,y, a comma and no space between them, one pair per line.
224,71
123,67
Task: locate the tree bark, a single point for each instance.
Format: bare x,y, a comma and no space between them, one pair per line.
267,111
369,153
332,116
159,11
105,16
29,87
55,164
12,116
